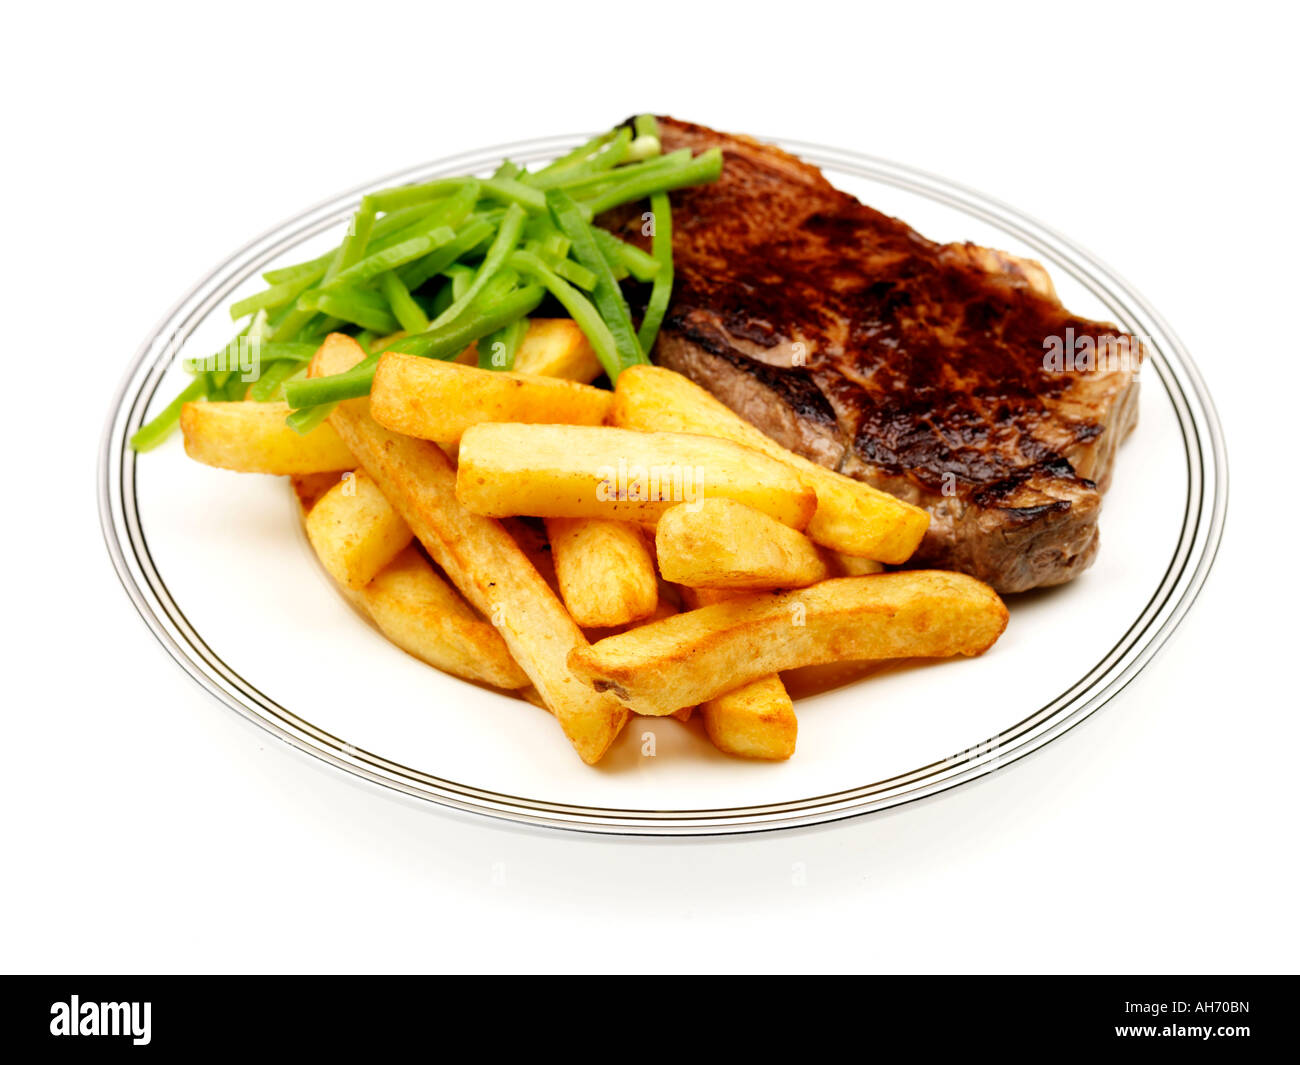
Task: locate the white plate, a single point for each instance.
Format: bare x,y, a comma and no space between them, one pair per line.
218,568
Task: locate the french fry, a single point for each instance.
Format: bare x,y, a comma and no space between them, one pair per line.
422,614
696,656
438,401
355,531
557,347
851,517
605,569
756,720
253,438
720,543
309,487
851,566
481,559
572,471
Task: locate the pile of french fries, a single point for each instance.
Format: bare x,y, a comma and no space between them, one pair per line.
640,551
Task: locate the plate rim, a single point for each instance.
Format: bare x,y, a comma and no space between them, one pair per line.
1194,554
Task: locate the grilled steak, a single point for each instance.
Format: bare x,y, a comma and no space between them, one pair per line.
917,367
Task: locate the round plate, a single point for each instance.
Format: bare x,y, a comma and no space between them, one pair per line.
219,569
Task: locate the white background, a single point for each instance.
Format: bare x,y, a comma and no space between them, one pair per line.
146,827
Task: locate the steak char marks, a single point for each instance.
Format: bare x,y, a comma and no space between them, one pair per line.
917,367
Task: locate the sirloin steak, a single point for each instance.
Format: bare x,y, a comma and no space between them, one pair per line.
914,366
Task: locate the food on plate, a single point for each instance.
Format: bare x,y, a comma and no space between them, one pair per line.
419,612
251,437
438,401
605,570
851,517
851,566
423,615
720,543
700,654
488,464
756,720
355,531
948,375
563,471
480,558
557,347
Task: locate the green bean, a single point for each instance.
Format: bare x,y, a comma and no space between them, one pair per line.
497,350
625,258
415,274
592,183
442,298
605,293
579,307
389,259
662,214
266,352
502,245
320,326
442,343
594,165
450,340
387,226
704,168
353,248
411,195
580,153
275,296
647,137
314,392
304,421
271,384
405,310
291,273
510,191
153,433
357,305
575,272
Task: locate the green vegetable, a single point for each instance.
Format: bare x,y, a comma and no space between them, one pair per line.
275,296
364,307
578,274
152,434
605,293
497,350
415,274
704,168
271,384
579,154
458,260
266,352
507,190
304,421
625,258
502,245
597,164
579,307
598,181
662,213
391,258
441,343
407,312
412,195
